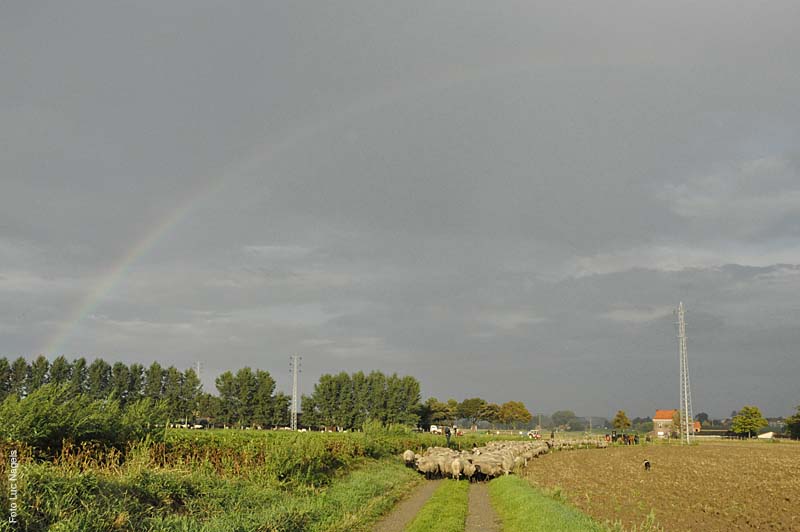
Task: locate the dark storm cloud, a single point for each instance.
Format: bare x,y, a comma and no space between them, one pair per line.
504,200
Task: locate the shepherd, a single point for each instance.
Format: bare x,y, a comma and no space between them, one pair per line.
447,435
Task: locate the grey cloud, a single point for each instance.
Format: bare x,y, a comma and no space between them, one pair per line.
520,191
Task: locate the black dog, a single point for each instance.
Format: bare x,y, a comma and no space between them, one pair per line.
647,465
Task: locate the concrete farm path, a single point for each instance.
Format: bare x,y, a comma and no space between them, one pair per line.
402,514
480,514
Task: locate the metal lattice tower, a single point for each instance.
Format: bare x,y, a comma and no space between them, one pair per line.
687,426
294,365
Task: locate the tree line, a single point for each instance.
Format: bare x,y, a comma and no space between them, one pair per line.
248,398
245,398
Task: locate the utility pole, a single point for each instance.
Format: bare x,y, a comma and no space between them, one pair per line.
294,365
685,412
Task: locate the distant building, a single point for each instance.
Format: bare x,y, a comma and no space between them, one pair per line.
663,423
776,423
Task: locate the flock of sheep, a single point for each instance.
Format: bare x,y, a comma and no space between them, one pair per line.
484,463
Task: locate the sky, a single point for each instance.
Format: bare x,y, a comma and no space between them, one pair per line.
503,199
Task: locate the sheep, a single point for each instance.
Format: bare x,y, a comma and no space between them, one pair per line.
457,467
408,457
428,467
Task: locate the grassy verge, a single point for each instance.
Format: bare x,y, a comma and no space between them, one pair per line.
523,508
445,511
61,500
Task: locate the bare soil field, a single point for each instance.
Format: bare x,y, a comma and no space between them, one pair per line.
711,486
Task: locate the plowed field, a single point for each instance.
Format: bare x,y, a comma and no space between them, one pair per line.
711,486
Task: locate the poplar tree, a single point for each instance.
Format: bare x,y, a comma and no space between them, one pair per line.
60,370
19,377
191,389
98,379
5,378
38,373
245,386
172,392
227,397
154,382
120,382
78,377
136,382
263,399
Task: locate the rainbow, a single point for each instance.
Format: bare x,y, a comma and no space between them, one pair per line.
107,283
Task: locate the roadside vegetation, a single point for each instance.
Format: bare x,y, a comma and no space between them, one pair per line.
220,480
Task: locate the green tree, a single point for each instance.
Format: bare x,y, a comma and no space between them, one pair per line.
348,401
793,425
60,370
263,399
564,419
209,407
402,400
361,398
432,412
19,377
173,384
120,382
5,378
621,421
154,382
472,410
245,385
702,417
98,382
39,373
376,407
136,382
280,410
226,387
78,377
749,421
514,412
191,389
452,411
344,414
491,413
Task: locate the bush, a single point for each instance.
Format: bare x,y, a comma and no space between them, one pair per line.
51,415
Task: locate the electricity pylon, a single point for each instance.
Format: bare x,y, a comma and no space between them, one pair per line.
687,421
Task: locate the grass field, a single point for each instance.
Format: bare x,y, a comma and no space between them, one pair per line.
711,486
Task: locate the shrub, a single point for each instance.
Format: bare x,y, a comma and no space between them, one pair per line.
51,415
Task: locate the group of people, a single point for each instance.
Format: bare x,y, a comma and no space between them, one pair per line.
625,439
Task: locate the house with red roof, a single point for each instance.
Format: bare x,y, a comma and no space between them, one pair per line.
664,423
